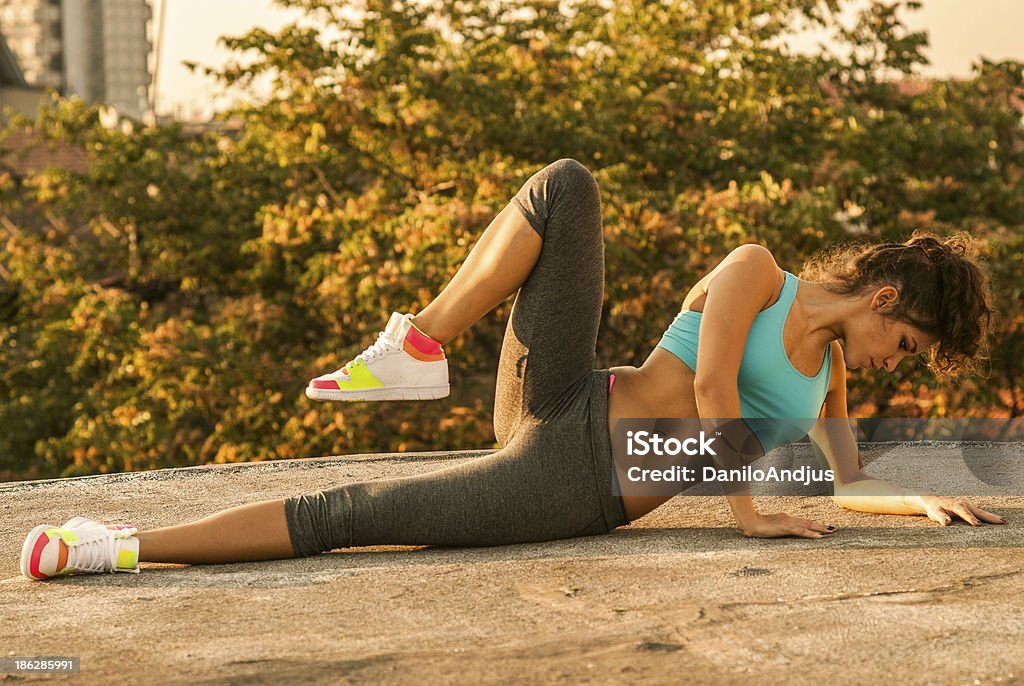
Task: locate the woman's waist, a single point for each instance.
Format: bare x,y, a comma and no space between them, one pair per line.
637,393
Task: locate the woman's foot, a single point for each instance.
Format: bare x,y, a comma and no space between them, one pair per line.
404,364
79,546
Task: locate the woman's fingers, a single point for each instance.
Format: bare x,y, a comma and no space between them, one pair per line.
813,533
944,509
811,529
990,517
773,526
823,528
962,510
939,516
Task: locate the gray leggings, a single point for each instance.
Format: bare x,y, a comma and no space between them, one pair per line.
553,476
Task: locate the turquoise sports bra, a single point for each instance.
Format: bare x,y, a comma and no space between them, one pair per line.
770,386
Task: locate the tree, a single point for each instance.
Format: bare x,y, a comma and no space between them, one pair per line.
216,273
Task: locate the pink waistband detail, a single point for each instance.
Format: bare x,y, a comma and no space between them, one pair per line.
611,382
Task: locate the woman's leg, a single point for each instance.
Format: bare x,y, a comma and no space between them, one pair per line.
496,266
540,487
551,337
515,495
563,195
258,531
548,243
545,482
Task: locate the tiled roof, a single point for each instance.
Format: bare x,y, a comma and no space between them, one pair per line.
24,152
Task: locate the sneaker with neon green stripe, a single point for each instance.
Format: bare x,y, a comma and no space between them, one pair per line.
79,546
404,364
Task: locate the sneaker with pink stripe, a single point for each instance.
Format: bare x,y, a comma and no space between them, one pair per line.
79,546
403,364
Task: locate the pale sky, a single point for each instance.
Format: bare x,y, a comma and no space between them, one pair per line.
960,31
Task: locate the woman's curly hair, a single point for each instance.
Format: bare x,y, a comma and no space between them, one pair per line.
944,291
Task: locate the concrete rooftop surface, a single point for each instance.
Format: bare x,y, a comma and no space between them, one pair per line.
679,596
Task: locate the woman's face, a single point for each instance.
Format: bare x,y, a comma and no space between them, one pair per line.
876,341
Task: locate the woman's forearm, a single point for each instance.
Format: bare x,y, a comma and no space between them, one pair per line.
718,403
878,497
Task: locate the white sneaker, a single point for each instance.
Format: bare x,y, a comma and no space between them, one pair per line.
404,364
80,546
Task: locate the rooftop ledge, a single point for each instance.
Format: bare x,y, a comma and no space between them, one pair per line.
680,589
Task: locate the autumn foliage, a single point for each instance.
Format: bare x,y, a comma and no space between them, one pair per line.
167,306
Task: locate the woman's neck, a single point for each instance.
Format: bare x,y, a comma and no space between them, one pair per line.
826,313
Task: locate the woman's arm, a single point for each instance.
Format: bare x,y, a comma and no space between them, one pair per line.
855,490
749,521
742,285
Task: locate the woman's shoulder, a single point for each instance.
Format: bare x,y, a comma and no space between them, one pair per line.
758,266
752,271
753,251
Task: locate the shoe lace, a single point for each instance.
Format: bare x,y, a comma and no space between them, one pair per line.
381,346
95,553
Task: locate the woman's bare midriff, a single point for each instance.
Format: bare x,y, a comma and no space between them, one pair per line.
662,387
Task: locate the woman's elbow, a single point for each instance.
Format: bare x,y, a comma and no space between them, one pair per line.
712,385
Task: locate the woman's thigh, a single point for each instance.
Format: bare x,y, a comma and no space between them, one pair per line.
551,336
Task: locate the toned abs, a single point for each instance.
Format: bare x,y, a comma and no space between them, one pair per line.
663,387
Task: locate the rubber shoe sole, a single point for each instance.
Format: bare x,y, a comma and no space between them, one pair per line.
393,393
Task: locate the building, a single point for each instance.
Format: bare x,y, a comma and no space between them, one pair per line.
96,49
15,93
32,29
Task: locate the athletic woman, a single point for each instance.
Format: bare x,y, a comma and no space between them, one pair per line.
751,341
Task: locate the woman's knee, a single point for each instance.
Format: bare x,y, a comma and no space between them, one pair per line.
564,191
574,175
575,200
570,167
320,521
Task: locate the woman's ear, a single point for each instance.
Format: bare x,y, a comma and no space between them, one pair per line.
885,299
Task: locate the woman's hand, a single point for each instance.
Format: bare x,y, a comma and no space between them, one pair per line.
940,509
776,525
